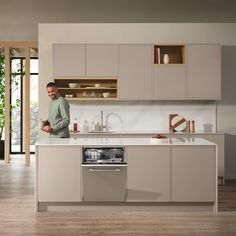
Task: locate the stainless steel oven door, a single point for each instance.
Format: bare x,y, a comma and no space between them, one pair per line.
104,183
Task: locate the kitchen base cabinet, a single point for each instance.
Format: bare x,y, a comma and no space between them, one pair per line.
179,173
148,174
59,177
193,174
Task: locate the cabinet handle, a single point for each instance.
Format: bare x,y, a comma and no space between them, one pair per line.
104,170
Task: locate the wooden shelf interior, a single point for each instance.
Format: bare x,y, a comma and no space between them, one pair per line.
176,54
86,88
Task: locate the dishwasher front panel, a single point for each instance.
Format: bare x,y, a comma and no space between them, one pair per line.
104,183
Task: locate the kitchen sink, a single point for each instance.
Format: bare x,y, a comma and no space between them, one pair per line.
101,132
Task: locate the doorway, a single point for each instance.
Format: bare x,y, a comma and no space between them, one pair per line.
17,68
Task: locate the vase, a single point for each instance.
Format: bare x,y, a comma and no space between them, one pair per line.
166,59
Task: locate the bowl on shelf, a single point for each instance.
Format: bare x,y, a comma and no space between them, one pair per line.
69,95
73,85
106,94
97,85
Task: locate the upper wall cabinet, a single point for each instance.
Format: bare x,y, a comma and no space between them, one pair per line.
135,72
169,82
203,72
169,72
85,60
68,60
102,60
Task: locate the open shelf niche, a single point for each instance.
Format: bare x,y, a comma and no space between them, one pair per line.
176,54
88,88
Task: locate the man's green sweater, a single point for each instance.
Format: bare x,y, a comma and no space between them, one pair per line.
59,118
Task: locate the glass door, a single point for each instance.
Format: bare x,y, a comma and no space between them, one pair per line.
17,102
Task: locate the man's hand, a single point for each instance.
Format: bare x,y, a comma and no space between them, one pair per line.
47,129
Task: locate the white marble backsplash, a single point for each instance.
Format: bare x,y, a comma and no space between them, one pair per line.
144,115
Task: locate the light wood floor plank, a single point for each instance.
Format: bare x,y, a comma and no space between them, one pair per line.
17,215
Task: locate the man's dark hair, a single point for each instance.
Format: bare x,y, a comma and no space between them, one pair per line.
51,84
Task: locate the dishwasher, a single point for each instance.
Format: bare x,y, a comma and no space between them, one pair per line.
104,174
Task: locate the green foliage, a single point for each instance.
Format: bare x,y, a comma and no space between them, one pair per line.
2,91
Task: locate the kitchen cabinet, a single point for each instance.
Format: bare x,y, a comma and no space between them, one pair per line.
217,138
148,174
196,76
193,174
181,172
193,71
102,60
85,60
135,72
68,60
203,72
169,82
59,176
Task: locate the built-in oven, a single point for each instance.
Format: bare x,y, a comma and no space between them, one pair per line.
104,174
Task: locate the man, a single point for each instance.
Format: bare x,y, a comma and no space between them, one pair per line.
57,124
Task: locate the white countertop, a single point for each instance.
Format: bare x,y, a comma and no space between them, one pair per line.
120,142
142,132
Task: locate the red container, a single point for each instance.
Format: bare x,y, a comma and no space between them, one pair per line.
75,127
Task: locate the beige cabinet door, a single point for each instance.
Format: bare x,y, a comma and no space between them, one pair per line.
59,174
68,60
216,138
148,174
135,72
193,174
170,82
219,140
204,73
102,60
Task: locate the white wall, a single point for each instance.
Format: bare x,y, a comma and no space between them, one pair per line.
142,33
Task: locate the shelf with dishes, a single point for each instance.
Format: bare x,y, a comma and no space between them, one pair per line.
88,89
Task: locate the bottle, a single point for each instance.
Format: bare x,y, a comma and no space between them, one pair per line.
86,126
193,126
75,125
93,126
188,126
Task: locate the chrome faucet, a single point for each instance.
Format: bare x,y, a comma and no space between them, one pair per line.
108,115
102,126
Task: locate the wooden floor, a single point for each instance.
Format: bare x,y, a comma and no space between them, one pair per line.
17,215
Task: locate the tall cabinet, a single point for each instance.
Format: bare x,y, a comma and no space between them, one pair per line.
203,72
135,72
